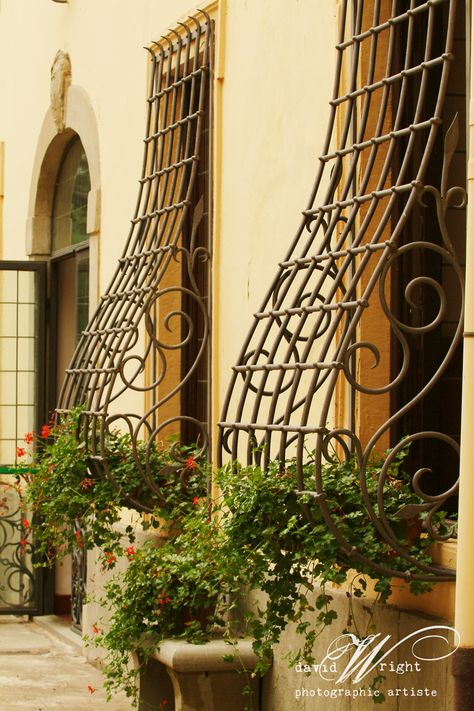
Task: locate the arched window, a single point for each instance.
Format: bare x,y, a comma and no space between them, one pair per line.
69,257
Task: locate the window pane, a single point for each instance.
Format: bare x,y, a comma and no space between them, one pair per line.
70,199
8,286
82,297
8,319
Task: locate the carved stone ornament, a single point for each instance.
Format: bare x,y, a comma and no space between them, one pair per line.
60,82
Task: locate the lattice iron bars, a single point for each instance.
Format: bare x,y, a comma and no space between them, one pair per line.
149,336
304,352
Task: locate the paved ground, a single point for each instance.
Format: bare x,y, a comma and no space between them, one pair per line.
39,672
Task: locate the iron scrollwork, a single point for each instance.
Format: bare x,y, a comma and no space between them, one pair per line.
18,581
148,341
305,348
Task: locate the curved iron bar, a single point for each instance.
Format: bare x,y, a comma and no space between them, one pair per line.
18,579
143,320
304,342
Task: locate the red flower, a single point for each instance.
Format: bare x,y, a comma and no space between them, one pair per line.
95,629
196,501
162,600
130,551
20,452
28,437
25,523
86,483
109,558
46,431
79,539
90,689
190,463
23,542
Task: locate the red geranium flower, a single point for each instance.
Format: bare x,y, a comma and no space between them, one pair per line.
190,463
109,558
28,437
95,629
25,523
20,452
90,689
162,599
79,539
23,542
46,431
196,501
130,551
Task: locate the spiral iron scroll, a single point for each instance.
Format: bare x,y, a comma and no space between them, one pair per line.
150,332
304,349
18,580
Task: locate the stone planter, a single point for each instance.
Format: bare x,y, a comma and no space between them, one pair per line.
195,677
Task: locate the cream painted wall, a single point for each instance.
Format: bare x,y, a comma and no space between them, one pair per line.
278,71
105,42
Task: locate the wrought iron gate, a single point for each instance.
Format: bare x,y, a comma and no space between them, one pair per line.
22,329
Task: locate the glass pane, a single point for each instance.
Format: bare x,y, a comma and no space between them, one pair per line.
70,199
80,193
26,319
8,286
26,287
25,420
26,388
7,449
26,353
82,297
8,421
8,347
7,388
8,319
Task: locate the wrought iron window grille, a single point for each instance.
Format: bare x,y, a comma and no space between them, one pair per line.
306,347
149,336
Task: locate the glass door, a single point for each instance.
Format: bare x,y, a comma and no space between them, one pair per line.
22,411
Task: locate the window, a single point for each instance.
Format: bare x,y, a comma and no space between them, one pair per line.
69,259
325,366
142,363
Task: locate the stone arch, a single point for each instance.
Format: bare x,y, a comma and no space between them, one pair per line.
80,119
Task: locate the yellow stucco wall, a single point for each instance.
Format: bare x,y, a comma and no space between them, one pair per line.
278,76
105,42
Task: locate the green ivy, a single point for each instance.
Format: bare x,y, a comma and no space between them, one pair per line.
66,490
258,539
